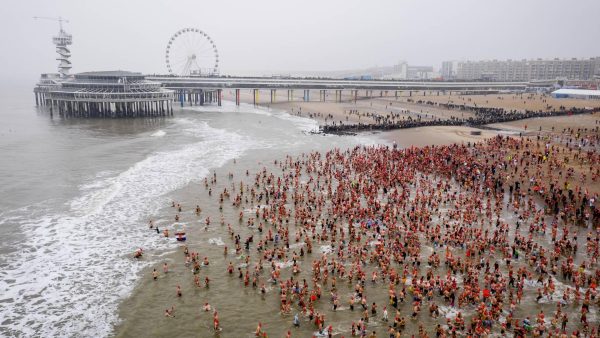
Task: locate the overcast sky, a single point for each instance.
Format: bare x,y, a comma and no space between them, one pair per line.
278,36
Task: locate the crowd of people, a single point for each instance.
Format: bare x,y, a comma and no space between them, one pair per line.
482,116
482,238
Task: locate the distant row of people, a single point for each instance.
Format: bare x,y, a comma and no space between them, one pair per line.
483,116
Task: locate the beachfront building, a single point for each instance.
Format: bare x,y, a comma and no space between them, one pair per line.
586,94
448,70
403,71
104,94
523,70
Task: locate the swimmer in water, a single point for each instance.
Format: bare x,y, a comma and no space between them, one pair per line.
216,326
258,332
206,307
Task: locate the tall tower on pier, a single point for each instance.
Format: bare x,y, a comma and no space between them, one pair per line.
62,40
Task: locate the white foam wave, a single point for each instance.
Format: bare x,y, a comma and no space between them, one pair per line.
159,133
304,123
69,275
286,264
216,241
326,249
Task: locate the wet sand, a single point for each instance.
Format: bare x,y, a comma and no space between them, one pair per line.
528,101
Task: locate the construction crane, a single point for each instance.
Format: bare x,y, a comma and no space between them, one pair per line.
59,19
62,40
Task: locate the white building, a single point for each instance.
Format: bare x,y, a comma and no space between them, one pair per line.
524,70
404,71
448,71
577,94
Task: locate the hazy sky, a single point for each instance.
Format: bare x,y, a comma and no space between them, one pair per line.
277,36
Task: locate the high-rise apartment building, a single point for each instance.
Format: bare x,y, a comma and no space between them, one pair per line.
523,70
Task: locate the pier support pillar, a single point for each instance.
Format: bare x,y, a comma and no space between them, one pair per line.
306,95
273,94
255,96
237,97
219,92
202,97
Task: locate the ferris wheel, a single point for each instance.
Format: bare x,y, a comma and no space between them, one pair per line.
191,51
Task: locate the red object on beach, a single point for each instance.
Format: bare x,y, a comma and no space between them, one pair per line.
486,293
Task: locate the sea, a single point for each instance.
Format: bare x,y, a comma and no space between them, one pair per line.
76,195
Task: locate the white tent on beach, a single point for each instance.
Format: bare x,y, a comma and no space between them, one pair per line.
576,94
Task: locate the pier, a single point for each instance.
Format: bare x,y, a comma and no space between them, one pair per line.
194,89
104,94
128,94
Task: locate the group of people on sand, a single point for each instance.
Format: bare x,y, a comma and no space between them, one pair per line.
497,237
482,116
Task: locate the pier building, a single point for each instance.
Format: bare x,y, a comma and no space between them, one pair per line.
105,94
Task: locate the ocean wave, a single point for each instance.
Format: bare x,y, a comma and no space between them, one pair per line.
159,133
73,268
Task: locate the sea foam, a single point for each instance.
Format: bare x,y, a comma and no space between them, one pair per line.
73,268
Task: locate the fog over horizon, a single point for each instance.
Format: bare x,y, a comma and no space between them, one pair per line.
274,37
